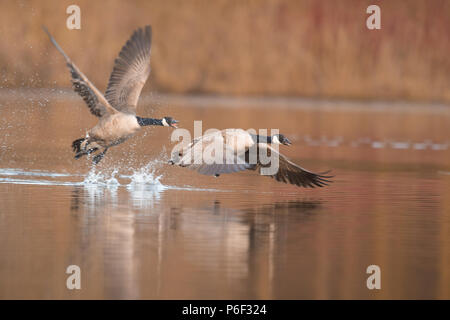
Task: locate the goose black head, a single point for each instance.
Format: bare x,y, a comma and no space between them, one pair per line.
169,122
280,139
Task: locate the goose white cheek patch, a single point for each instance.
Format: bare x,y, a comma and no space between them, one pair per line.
164,122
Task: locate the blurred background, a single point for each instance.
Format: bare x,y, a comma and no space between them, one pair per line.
308,48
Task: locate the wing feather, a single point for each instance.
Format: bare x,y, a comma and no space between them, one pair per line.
193,157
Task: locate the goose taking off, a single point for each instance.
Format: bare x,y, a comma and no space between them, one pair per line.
200,155
116,109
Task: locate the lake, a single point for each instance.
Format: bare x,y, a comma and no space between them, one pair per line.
139,228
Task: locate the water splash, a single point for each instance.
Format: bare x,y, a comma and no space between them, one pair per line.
143,183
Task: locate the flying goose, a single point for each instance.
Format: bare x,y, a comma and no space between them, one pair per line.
200,155
116,109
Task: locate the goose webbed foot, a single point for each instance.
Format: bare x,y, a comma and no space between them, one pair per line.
99,157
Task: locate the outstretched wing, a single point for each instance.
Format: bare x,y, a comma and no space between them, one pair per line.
215,153
289,172
131,70
95,100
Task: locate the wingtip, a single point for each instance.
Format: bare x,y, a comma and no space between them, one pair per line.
49,35
145,29
326,175
148,30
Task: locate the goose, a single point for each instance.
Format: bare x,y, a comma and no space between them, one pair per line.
116,109
240,143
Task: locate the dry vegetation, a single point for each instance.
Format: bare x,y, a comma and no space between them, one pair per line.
316,48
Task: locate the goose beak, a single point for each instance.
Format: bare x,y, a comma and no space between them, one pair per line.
174,124
287,142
